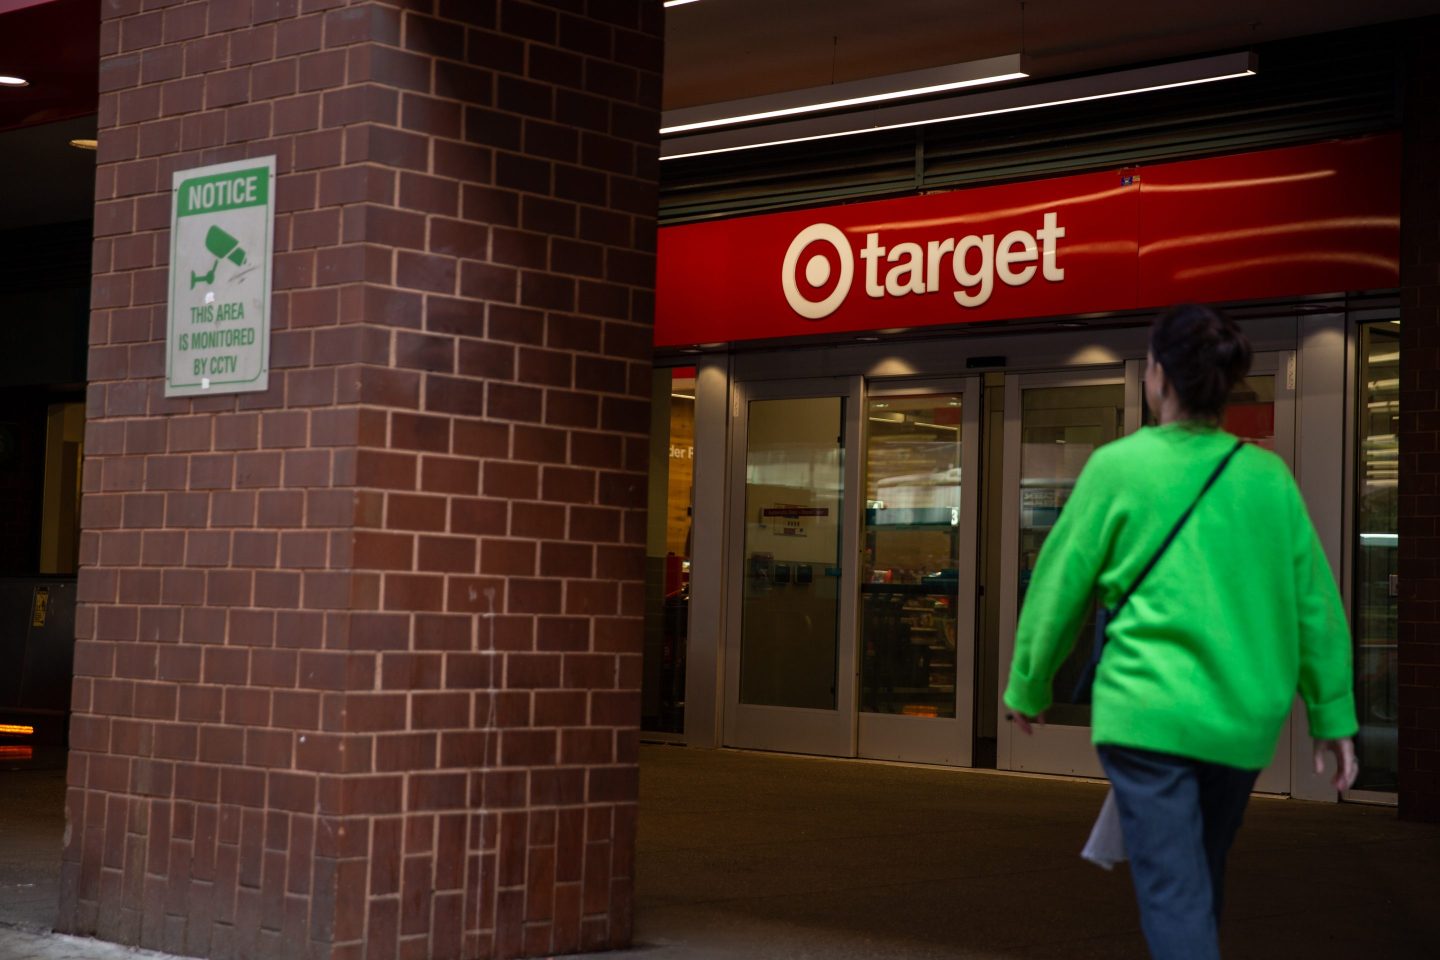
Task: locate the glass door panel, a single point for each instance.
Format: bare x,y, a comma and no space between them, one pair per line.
1250,414
1059,423
910,576
1059,428
667,551
791,651
1053,423
794,491
917,575
1376,586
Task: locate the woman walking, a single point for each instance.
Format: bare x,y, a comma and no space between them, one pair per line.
1238,611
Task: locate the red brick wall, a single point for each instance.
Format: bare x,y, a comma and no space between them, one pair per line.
358,657
1419,654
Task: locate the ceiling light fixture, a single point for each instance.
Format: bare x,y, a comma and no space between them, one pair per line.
13,82
840,96
85,144
967,107
677,3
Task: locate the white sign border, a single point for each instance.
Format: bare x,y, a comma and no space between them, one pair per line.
261,382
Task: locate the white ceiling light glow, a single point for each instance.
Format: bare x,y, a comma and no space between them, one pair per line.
965,107
677,3
13,82
839,96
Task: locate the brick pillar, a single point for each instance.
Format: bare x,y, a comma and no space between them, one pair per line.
1419,655
358,657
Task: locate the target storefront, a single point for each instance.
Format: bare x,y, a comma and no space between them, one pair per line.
877,410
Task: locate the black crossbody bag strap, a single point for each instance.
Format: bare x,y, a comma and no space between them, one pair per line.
1107,614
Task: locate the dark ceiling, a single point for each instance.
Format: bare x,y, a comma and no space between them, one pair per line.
728,49
56,46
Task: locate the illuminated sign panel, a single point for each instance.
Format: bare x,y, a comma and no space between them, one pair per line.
1300,220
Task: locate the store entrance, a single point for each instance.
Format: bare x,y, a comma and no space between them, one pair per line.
861,539
852,582
851,596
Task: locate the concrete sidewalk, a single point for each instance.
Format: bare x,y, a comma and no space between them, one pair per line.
32,829
752,855
29,945
763,856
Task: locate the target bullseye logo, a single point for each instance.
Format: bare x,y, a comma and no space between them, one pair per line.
817,271
908,267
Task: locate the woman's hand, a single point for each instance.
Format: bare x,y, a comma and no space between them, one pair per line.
1347,768
1024,724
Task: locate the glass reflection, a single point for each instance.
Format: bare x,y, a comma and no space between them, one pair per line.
794,486
1375,613
1059,428
1249,413
911,567
667,551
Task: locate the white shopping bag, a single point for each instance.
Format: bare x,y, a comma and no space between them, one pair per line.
1106,846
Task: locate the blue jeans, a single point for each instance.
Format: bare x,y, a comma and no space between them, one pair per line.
1179,817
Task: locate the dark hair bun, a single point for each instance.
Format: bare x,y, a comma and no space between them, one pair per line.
1204,354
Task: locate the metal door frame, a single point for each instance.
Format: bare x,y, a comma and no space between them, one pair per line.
935,739
1064,749
1356,320
793,729
1053,748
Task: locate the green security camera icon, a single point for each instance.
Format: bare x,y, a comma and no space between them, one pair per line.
224,247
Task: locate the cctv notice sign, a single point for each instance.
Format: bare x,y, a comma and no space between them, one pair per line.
222,228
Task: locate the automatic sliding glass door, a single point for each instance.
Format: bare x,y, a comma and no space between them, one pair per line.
852,572
1376,569
1053,423
791,649
917,566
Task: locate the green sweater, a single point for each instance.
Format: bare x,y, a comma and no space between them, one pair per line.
1240,613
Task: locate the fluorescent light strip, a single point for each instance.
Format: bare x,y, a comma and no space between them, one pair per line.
992,103
678,3
837,96
841,104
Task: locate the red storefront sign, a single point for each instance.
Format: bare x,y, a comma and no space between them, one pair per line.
1315,219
